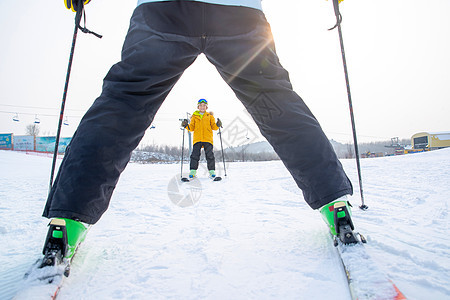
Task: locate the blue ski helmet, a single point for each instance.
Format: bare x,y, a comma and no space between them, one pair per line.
202,101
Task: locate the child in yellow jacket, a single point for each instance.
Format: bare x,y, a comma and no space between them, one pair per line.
202,124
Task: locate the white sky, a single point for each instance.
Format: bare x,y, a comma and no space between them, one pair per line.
397,55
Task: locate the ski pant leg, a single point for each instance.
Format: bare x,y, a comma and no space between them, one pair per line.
195,155
209,153
133,91
250,65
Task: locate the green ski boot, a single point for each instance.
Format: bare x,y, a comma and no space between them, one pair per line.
212,173
63,238
192,173
337,215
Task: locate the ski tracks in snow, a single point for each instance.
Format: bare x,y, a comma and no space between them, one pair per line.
250,236
247,237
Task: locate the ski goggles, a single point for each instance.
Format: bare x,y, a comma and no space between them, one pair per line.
202,101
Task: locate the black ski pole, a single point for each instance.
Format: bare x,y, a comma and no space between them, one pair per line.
78,16
223,156
63,103
344,61
182,157
184,179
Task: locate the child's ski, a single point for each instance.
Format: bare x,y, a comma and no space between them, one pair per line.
185,179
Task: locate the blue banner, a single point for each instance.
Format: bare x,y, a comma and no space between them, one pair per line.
23,143
6,141
47,144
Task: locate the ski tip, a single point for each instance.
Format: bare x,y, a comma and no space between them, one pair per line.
218,178
399,295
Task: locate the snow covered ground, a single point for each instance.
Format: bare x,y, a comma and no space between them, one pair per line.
250,236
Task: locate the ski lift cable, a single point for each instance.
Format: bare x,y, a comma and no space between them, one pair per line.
31,114
39,107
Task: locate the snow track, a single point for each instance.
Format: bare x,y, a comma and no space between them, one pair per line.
250,236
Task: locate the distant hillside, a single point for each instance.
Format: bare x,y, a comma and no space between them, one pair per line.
348,150
342,150
259,151
258,147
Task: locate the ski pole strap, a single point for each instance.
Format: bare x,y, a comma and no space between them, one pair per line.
337,13
81,13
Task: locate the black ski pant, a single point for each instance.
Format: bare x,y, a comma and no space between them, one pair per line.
165,38
195,155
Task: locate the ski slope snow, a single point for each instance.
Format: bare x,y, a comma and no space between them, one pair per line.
250,236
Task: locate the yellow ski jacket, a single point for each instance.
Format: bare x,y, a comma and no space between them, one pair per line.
202,126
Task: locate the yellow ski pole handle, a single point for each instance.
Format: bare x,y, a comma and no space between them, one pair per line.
70,4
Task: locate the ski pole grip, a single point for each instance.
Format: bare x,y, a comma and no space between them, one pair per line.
336,8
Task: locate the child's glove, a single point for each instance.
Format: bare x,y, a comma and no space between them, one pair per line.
219,123
73,4
184,123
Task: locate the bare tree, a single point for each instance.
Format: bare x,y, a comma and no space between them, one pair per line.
33,129
350,151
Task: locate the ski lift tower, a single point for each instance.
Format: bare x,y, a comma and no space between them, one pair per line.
398,148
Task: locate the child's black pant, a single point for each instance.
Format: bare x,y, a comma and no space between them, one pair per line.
195,155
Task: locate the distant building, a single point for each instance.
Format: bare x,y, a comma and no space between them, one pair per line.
430,140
